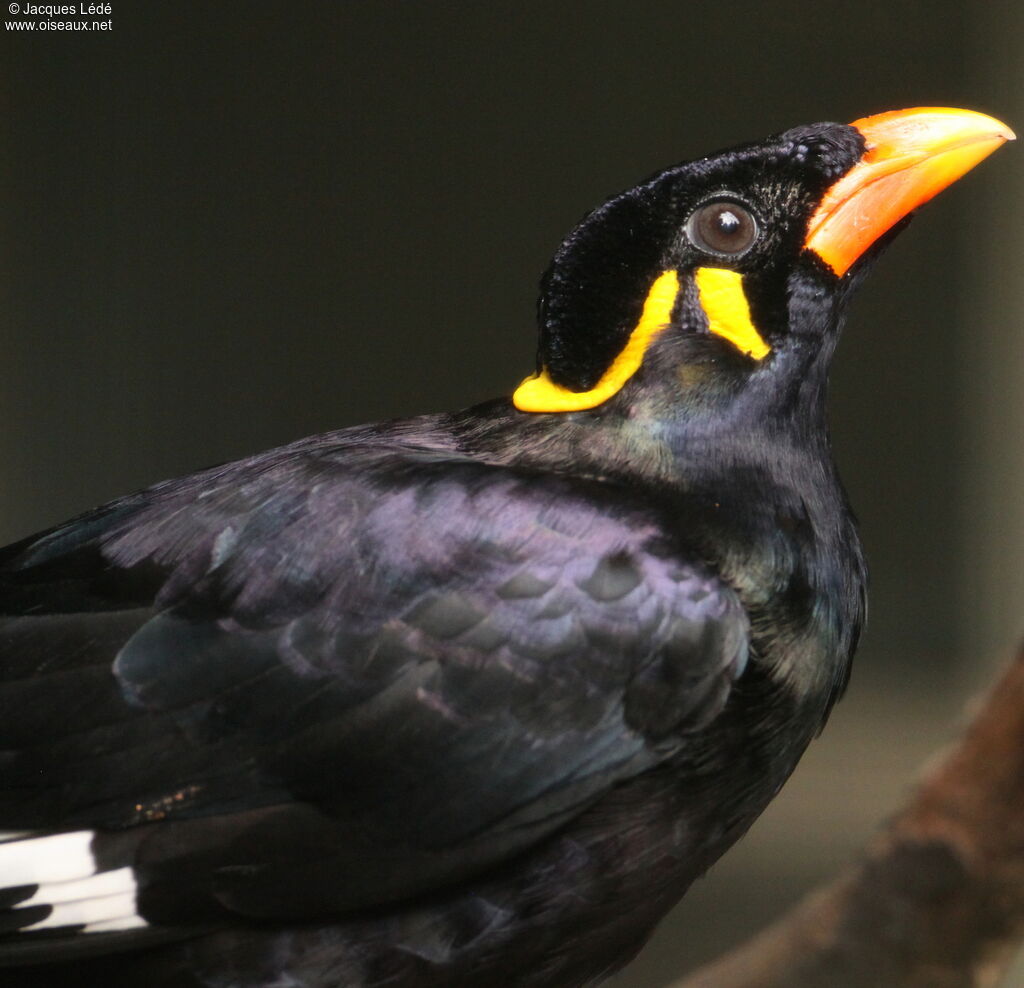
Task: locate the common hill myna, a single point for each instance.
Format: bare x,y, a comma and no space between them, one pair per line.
469,700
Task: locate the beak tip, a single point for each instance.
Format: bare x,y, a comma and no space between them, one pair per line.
998,129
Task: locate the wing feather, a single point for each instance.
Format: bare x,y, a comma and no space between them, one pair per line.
314,683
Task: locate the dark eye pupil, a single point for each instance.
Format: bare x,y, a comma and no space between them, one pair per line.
722,227
728,223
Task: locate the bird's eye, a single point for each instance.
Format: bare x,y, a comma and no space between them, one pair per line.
722,227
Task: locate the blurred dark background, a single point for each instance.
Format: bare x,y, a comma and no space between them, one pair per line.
226,226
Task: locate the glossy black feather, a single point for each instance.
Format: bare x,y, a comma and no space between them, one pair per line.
419,666
462,700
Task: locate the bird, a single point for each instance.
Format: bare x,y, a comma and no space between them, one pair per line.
470,699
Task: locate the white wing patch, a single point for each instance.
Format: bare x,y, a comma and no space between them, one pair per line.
39,860
64,871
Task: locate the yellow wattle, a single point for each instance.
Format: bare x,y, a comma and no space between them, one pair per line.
538,393
725,304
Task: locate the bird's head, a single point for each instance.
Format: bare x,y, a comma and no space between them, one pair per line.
733,268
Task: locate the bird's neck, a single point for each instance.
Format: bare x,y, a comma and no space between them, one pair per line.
666,429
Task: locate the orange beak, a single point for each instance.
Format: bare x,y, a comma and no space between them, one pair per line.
911,156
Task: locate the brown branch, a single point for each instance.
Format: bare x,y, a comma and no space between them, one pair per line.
937,899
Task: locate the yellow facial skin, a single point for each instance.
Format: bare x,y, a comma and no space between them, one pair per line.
725,304
539,393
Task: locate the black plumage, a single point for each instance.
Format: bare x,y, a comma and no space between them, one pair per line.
463,700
